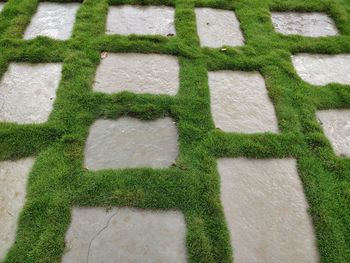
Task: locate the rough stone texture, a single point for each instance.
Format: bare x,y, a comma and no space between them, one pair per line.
336,125
306,24
217,28
131,143
53,20
139,73
141,20
27,92
125,235
323,69
240,102
13,181
266,211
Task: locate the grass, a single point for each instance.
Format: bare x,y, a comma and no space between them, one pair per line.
58,180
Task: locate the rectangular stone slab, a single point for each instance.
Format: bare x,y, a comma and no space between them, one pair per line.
55,20
240,102
141,20
266,211
138,73
28,91
305,24
13,182
125,235
217,28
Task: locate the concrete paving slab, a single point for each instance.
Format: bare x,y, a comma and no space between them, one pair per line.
217,28
13,182
266,211
131,143
336,125
305,24
141,20
125,235
138,73
28,91
323,69
55,20
240,102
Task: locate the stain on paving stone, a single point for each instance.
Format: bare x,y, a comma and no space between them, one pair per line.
139,73
240,102
13,181
125,235
266,211
141,20
28,91
131,143
305,24
53,20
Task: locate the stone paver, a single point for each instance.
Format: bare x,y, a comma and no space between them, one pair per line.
125,235
305,24
336,125
28,91
240,102
266,211
217,28
131,143
141,20
13,181
323,69
55,20
139,73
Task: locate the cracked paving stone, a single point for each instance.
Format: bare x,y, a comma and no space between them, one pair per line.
125,235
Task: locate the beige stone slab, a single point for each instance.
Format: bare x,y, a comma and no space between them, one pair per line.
305,24
141,20
266,211
13,182
323,69
55,20
217,28
240,102
138,73
336,125
125,235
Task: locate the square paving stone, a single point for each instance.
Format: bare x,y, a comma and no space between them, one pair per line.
336,125
323,69
53,20
217,28
125,235
138,73
13,182
305,24
27,92
141,20
240,102
131,143
266,211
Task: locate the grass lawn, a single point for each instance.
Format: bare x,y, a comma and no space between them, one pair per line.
58,180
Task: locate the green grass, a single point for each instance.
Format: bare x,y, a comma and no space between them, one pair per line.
58,180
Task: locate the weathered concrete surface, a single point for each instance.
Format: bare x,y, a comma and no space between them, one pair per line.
323,69
266,211
125,235
55,20
141,20
217,28
336,125
27,92
139,73
131,143
240,102
305,24
13,182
